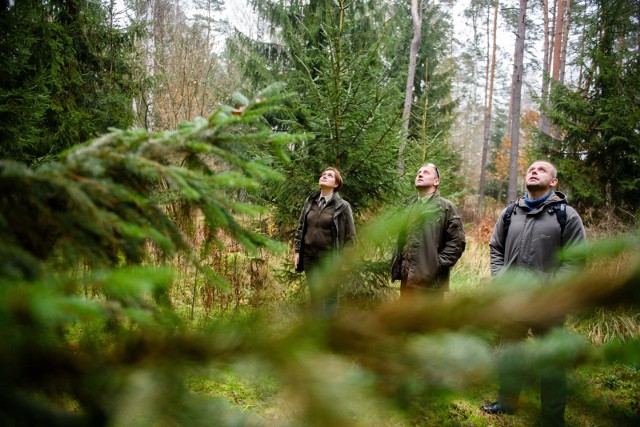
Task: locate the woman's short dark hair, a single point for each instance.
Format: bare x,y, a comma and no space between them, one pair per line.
338,177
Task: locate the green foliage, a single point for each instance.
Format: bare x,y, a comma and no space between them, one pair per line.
598,154
76,317
331,59
433,109
347,62
67,77
91,335
103,202
106,348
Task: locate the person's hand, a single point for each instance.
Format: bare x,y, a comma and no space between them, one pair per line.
296,258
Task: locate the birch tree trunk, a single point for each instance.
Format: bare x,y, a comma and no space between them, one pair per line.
416,16
486,137
516,99
425,109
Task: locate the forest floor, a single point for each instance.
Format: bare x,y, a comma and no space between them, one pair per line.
600,394
604,396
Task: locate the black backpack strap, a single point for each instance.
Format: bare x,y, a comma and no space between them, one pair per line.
560,209
557,208
506,217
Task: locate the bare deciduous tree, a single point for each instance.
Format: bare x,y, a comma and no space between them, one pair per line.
144,112
187,75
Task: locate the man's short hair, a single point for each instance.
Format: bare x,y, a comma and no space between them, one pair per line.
432,166
554,170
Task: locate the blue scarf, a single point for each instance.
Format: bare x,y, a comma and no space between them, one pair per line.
533,204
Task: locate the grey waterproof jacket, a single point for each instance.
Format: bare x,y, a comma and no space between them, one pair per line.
343,231
431,243
534,237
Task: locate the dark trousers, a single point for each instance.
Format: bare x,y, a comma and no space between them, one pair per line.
514,374
323,294
432,295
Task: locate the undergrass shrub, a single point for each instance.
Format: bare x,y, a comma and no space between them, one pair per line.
369,284
604,325
420,401
244,277
472,272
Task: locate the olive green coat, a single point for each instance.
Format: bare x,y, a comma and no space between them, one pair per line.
430,243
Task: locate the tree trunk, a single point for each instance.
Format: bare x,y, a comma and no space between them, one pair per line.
544,123
558,40
337,81
516,99
581,69
488,109
149,47
416,16
565,40
425,109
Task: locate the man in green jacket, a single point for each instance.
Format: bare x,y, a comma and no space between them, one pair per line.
431,242
528,236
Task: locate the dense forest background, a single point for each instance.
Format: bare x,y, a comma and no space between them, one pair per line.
155,155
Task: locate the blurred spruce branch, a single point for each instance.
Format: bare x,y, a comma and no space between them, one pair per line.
102,203
125,359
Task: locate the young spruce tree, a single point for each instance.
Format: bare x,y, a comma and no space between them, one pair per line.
329,53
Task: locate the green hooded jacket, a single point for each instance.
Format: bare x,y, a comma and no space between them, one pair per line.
431,242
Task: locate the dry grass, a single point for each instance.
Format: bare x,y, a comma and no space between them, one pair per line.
266,280
473,269
602,326
599,325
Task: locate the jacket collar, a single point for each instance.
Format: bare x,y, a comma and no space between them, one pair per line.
556,197
416,197
336,198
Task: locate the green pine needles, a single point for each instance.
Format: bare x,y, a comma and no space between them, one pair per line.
103,203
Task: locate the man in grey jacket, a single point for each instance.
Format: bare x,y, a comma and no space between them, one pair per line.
529,238
431,242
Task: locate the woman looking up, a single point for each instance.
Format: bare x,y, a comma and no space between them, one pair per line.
325,226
